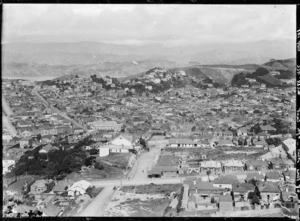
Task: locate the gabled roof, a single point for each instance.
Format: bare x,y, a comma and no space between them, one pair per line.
269,187
255,175
210,164
61,185
226,198
273,175
200,185
256,163
267,127
227,179
242,187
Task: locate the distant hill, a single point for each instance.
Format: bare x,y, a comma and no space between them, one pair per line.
249,67
113,69
269,73
83,53
277,65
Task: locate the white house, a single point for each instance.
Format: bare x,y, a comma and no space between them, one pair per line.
103,151
123,140
7,163
118,148
79,188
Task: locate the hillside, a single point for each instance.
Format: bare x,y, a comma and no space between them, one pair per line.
269,80
277,65
269,73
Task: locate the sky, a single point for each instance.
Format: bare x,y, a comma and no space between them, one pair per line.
171,25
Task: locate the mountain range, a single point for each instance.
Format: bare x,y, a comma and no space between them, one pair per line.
88,58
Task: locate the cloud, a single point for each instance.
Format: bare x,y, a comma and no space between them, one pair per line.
167,24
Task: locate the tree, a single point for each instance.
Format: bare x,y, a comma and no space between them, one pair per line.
98,166
208,172
89,161
260,72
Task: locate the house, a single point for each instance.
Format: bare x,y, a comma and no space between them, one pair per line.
281,164
241,190
213,166
63,130
225,143
105,125
225,182
225,204
62,186
273,176
123,140
47,138
41,186
243,131
227,134
233,165
181,143
25,142
46,149
103,150
7,164
97,137
256,165
24,123
114,149
166,171
255,175
269,192
260,144
197,186
289,145
267,128
78,130
6,137
79,188
157,140
25,132
19,187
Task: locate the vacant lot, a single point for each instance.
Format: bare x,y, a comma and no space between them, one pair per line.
119,160
130,204
152,189
146,200
108,172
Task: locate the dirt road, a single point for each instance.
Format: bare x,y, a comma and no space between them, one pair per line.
98,205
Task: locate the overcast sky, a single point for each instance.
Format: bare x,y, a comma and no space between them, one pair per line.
139,24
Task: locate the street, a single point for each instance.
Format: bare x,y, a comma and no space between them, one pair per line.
98,205
8,125
138,177
64,115
145,162
6,107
